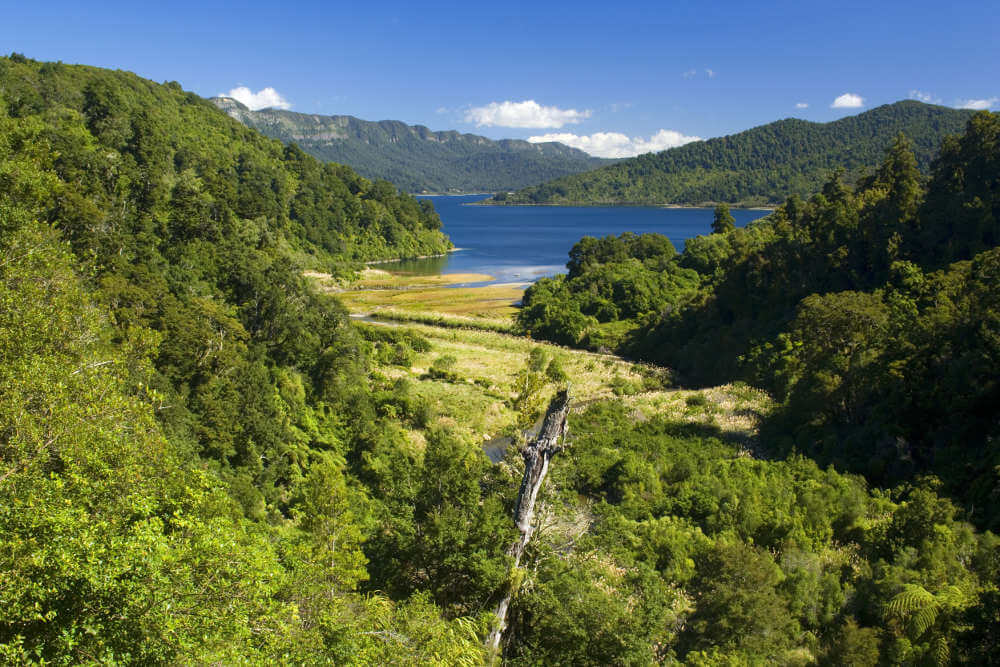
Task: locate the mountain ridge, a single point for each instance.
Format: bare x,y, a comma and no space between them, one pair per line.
759,166
414,157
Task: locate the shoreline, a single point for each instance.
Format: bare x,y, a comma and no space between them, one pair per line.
452,194
620,204
406,259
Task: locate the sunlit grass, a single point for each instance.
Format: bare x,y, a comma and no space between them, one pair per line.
491,302
735,409
497,324
475,326
477,403
381,279
370,278
405,296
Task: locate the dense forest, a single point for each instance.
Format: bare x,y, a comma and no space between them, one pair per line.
761,166
415,158
201,460
871,313
176,405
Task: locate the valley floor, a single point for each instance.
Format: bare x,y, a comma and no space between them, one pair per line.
471,328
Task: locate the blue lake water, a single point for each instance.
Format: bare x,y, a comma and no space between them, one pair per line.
524,243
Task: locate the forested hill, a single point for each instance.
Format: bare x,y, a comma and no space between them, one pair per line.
412,156
761,166
164,148
873,312
178,409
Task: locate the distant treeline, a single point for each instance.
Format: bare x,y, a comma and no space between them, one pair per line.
761,166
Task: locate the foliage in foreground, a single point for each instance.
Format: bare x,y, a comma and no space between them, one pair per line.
872,314
121,547
663,542
198,465
183,423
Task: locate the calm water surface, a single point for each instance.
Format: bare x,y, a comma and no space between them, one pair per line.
524,243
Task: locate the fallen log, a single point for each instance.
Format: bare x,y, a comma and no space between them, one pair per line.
536,463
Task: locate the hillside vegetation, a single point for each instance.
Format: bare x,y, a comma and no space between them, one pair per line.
203,461
413,157
871,312
761,166
182,420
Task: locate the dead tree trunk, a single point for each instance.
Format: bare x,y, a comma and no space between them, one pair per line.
536,464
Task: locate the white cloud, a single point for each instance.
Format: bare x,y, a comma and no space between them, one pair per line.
616,144
801,105
528,113
978,105
262,99
920,95
694,73
848,101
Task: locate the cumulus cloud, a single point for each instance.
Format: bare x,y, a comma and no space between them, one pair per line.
848,101
528,113
689,74
801,105
262,99
920,95
978,105
616,144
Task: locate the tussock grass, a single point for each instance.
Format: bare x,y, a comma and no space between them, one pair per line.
477,400
499,325
475,326
736,409
497,302
426,298
380,279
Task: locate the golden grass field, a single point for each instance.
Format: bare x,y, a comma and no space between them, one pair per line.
377,289
477,405
477,402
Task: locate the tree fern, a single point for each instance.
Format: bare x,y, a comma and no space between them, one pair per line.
912,599
941,650
918,611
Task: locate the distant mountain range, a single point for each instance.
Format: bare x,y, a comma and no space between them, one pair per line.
760,166
413,157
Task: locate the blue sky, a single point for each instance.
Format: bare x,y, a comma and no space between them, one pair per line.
611,77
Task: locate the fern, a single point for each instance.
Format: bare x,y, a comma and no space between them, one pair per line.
942,652
923,619
919,609
912,598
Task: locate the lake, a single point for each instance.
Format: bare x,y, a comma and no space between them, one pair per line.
524,243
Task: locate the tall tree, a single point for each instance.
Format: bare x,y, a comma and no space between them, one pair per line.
724,220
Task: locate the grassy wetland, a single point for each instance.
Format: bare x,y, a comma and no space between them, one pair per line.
471,374
423,297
